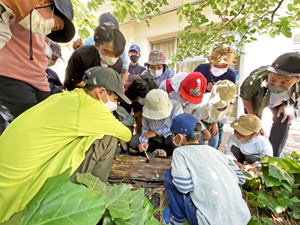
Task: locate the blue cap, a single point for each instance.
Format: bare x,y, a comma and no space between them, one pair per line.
135,47
184,124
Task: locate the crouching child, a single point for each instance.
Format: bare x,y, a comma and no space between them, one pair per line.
203,184
246,143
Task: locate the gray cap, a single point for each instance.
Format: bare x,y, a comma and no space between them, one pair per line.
107,78
287,64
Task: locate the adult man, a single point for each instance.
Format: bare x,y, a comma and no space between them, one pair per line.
53,55
104,19
71,129
23,81
218,67
134,68
109,45
275,87
44,17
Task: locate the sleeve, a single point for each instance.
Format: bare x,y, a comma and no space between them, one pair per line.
165,131
228,146
125,59
238,172
197,69
145,129
95,119
163,85
181,175
127,119
89,41
74,73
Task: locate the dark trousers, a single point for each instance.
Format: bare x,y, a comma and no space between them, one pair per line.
166,144
241,157
16,97
279,132
98,159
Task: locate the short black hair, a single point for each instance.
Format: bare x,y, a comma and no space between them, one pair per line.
106,33
134,51
196,136
91,88
140,87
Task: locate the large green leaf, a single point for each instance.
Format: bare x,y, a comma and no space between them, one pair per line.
93,183
284,202
290,165
268,201
61,202
281,174
295,214
295,155
147,203
271,181
282,193
15,219
118,201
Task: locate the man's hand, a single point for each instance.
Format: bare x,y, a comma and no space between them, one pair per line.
124,76
143,147
239,164
213,129
78,43
209,86
281,110
206,135
149,134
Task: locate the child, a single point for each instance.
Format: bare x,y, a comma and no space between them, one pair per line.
202,185
158,113
246,142
214,108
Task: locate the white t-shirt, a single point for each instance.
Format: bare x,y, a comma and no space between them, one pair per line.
277,99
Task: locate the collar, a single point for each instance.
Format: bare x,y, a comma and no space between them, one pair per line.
250,140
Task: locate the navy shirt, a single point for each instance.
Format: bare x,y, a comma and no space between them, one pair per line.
205,70
135,70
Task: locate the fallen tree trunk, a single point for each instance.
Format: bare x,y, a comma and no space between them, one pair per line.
134,170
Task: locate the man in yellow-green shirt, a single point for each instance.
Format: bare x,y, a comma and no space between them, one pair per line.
71,129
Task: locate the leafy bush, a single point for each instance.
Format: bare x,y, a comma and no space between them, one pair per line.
61,202
277,190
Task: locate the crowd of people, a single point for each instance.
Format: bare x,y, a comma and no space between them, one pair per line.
109,103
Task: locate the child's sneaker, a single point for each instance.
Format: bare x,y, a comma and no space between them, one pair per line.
166,215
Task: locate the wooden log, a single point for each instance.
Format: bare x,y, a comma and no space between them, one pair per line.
134,169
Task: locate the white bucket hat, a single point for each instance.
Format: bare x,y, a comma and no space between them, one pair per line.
158,105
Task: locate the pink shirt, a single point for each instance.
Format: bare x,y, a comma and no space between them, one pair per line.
14,58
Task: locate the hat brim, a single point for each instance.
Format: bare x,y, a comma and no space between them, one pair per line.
190,98
158,115
134,50
153,63
230,63
241,130
281,72
65,35
123,97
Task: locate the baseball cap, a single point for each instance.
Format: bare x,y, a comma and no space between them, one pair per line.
287,64
247,124
136,48
158,105
222,93
156,57
193,87
64,10
184,124
223,54
56,49
108,19
107,78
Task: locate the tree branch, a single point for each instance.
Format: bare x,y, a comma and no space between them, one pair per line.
243,6
272,17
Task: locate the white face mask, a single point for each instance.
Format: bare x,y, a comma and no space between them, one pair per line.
142,101
177,145
215,114
111,106
156,73
51,62
39,25
218,72
187,106
108,60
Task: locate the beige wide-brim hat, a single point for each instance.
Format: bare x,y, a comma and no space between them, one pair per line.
158,105
247,124
223,93
223,54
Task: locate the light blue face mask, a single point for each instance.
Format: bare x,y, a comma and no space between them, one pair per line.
177,145
276,90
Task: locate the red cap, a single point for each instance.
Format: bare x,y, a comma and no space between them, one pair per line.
193,87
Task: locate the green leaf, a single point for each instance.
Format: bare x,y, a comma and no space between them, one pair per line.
295,155
107,220
295,199
282,193
93,183
61,202
271,181
281,174
289,165
186,222
158,209
268,201
180,19
295,214
284,202
147,203
152,221
118,201
290,7
253,203
178,10
267,221
14,220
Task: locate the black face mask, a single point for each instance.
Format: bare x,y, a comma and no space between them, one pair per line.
134,58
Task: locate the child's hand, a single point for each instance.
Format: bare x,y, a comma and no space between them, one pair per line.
206,135
149,134
143,147
239,164
213,128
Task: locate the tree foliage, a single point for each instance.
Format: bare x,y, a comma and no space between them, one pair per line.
237,23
